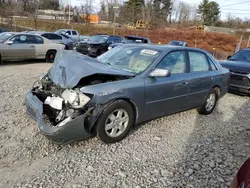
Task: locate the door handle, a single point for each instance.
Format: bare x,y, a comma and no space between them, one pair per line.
32,46
212,78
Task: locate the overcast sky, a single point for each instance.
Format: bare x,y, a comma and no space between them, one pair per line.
238,8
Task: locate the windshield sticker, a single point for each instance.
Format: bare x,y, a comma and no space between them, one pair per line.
148,52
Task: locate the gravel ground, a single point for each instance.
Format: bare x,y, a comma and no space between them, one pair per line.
181,150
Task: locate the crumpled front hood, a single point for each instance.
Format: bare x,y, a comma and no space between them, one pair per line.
70,67
240,66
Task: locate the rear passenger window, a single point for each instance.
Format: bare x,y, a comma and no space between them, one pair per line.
213,67
55,37
39,40
198,62
46,36
74,33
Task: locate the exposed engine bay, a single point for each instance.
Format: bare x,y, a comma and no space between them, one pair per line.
62,105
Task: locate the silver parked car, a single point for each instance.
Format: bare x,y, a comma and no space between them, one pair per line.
57,38
28,46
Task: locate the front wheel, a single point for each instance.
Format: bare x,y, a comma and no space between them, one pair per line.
115,122
50,56
209,103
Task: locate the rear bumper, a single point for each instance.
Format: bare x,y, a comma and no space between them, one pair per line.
72,131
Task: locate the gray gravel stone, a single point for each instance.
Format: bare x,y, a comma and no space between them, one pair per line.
212,164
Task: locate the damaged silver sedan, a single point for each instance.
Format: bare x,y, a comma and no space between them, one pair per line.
81,97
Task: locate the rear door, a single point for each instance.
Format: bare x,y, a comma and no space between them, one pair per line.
202,77
40,48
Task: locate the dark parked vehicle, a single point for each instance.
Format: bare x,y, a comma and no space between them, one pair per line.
80,96
239,66
242,178
131,40
178,43
97,45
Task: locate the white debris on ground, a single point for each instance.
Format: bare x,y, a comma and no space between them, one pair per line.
181,150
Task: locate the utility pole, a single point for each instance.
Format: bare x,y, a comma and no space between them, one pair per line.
239,44
248,42
114,24
69,10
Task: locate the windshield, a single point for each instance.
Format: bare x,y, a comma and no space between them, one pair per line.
243,55
98,38
131,40
130,58
60,31
5,36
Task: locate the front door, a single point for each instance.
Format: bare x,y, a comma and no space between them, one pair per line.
22,48
166,95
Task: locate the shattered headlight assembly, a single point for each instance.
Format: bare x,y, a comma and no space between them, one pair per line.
75,98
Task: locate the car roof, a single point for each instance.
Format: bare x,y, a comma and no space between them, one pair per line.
138,37
9,32
104,35
177,41
165,47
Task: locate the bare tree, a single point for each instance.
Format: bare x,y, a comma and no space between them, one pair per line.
86,9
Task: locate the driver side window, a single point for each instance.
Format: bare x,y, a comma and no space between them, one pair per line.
174,62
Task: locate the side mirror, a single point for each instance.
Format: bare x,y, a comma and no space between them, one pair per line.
9,42
159,73
229,57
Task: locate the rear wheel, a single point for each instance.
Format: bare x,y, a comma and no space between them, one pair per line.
115,122
1,61
50,56
209,103
66,47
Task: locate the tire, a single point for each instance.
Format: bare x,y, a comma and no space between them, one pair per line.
209,103
120,112
66,47
1,61
50,56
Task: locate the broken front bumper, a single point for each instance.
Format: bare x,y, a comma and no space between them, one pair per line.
72,131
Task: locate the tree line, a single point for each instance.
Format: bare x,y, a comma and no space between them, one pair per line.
161,13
